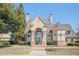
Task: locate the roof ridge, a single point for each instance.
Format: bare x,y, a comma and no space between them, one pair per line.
41,18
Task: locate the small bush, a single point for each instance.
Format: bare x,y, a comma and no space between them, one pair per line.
50,43
49,49
11,42
1,45
76,41
28,43
21,43
70,44
76,44
4,44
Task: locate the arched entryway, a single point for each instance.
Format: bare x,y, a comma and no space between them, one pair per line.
38,36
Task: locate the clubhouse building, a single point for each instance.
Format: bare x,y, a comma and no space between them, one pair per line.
39,31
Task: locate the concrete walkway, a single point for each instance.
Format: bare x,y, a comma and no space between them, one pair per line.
39,51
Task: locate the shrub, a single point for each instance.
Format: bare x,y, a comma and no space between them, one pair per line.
76,41
1,45
76,44
28,43
21,43
49,49
11,42
19,38
70,44
4,44
50,43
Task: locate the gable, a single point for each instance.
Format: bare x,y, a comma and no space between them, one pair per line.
38,23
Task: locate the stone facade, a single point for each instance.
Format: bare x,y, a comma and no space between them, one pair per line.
50,32
35,26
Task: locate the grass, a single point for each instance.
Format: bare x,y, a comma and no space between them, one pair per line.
8,49
63,51
25,50
15,50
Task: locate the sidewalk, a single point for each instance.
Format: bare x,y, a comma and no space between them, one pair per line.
39,51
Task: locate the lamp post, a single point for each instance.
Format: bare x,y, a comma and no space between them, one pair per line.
10,34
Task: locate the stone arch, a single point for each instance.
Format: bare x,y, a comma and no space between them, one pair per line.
38,36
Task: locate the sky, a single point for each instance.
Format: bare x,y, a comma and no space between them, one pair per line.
64,13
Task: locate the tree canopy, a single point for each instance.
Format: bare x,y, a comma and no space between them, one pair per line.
12,19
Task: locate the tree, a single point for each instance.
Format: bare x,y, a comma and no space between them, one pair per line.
21,20
6,17
12,19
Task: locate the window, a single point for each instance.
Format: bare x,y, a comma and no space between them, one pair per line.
66,39
60,36
68,32
55,34
72,40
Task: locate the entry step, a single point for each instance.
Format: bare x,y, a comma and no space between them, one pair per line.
38,48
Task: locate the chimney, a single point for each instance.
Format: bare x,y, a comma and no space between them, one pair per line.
50,18
27,17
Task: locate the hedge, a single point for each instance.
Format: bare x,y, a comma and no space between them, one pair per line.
70,44
4,44
50,43
76,43
22,43
28,43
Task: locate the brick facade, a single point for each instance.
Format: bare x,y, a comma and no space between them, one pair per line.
61,43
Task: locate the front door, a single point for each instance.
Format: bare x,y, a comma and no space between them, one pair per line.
38,38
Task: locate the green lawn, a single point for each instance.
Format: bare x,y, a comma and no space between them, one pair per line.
25,50
15,50
63,51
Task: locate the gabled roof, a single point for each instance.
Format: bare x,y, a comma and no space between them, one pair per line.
41,19
52,26
29,22
63,26
67,27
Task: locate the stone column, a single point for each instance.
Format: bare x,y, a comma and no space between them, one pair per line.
33,39
44,39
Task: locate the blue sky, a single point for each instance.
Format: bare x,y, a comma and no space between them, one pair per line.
63,13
